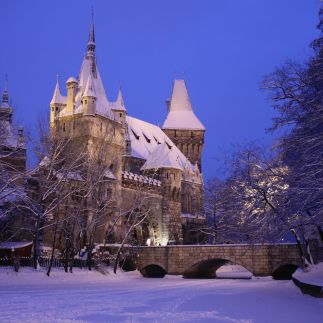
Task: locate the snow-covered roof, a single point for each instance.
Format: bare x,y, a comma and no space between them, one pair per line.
89,88
119,104
150,143
180,111
146,137
71,79
90,75
163,156
102,104
108,174
57,96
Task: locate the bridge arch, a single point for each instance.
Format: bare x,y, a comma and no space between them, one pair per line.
153,271
206,268
284,271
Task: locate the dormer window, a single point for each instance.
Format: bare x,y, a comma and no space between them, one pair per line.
147,139
136,136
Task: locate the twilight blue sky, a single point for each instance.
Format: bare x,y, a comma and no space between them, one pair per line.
222,47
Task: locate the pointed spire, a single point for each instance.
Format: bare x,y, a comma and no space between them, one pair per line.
91,41
89,88
180,99
57,96
119,104
180,111
5,94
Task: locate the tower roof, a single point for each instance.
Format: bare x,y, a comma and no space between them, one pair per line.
180,110
5,95
119,104
89,88
91,41
58,98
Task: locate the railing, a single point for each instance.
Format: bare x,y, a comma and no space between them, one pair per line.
44,262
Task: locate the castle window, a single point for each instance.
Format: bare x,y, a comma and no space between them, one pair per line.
64,126
120,114
191,134
101,127
85,101
73,125
175,134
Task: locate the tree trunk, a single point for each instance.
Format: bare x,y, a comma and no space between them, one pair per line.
53,248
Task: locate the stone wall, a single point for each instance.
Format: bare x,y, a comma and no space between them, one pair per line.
261,260
189,142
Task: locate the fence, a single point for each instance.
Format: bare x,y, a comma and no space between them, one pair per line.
44,262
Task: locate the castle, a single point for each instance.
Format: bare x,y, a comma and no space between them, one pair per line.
152,170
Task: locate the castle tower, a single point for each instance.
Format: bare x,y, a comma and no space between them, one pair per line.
89,97
5,109
119,109
12,143
182,125
164,160
57,103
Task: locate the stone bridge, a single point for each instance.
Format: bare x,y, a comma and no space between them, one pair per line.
203,260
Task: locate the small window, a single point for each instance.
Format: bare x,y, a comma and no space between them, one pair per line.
63,126
120,114
73,125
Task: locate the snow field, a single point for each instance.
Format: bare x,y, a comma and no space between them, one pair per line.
84,296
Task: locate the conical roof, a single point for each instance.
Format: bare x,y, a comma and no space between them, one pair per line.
180,110
119,104
89,88
58,98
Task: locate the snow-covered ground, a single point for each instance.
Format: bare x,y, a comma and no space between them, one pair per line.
312,276
128,297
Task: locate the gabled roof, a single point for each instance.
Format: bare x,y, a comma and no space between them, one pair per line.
180,111
146,137
163,156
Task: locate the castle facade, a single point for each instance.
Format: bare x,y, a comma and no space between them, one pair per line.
149,169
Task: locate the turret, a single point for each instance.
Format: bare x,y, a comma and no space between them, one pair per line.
89,97
5,109
182,125
57,103
119,109
71,85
